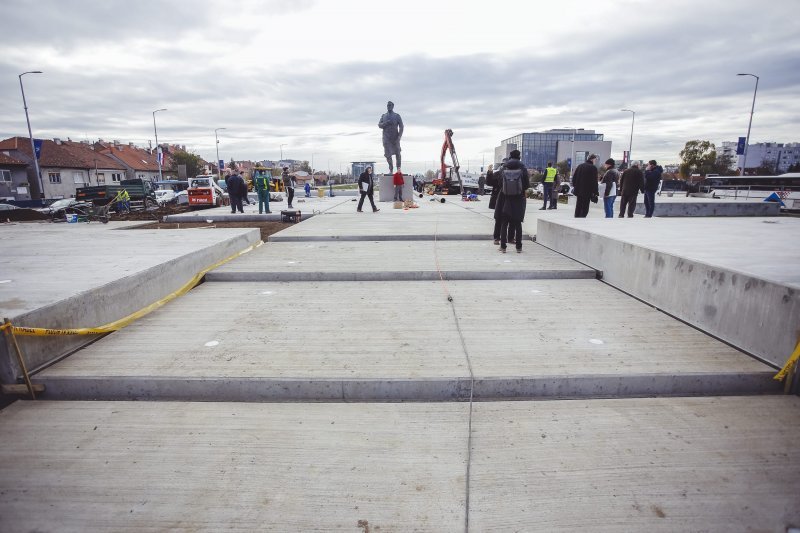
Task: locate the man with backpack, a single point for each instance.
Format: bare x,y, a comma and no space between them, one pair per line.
514,182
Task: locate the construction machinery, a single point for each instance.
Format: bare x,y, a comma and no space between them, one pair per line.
448,179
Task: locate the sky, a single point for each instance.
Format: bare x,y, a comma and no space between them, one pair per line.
309,79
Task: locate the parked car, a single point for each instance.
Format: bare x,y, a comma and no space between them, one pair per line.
165,196
182,198
7,207
60,207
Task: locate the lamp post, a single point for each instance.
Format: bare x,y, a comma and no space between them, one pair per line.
312,168
158,148
747,141
216,138
630,145
30,134
282,152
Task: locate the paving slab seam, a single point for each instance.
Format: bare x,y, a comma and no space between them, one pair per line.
398,276
378,238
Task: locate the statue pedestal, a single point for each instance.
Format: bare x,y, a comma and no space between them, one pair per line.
386,193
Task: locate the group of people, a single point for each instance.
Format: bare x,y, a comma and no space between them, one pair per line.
586,183
509,183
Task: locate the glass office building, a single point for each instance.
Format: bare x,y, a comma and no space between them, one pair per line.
553,145
357,167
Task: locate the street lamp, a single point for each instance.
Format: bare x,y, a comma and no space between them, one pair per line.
30,134
219,176
630,145
747,141
158,148
282,151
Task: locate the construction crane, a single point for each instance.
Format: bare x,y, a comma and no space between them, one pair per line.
446,182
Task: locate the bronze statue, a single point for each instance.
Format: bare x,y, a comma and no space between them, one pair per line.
392,126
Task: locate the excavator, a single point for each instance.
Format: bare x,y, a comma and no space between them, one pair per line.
448,179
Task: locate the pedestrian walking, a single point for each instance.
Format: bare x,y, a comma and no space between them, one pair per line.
367,189
261,183
584,182
236,190
611,182
652,179
288,185
630,183
398,182
515,181
307,188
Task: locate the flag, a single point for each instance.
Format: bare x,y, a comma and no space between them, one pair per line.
740,145
160,157
37,147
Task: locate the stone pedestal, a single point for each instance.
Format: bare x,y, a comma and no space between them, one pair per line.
386,193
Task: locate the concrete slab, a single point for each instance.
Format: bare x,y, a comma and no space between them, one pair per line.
700,207
85,275
737,278
650,464
307,206
442,221
399,341
133,466
397,261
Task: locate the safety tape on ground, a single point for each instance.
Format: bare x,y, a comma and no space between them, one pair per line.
780,376
125,321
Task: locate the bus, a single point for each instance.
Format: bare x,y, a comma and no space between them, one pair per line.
787,187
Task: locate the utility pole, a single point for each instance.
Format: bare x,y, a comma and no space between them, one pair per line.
752,108
159,154
219,171
30,134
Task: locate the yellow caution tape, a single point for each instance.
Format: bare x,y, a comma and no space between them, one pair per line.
780,376
122,322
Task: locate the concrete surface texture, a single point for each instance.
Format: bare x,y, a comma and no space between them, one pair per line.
665,207
432,219
395,261
738,279
400,340
86,275
657,464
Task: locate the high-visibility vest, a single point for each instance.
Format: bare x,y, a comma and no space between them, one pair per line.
550,175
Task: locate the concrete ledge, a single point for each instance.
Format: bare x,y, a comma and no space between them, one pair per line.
239,217
729,299
377,236
719,208
109,290
409,389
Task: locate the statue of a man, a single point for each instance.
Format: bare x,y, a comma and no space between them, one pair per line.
392,126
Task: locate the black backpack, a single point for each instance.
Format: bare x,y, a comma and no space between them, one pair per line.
512,181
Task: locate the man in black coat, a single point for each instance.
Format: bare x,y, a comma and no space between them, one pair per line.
367,188
513,208
652,179
236,190
631,182
584,181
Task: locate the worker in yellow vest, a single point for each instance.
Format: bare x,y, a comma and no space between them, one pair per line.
261,179
550,174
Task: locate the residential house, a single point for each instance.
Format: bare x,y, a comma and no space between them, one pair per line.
138,162
13,179
64,165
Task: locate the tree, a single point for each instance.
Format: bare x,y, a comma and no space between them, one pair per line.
305,167
232,165
794,168
698,157
194,165
723,164
563,168
430,174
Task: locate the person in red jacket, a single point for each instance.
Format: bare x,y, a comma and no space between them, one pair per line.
398,181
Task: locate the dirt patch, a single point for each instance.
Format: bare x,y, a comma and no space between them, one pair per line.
21,215
266,228
151,214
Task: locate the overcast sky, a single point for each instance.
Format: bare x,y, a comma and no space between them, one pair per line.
315,75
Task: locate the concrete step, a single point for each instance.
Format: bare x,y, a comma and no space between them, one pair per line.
398,261
259,341
651,464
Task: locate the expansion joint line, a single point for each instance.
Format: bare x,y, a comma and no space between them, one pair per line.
449,297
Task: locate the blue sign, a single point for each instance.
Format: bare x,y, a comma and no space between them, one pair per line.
740,145
569,162
37,146
221,164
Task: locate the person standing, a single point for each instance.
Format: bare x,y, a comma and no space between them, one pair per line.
307,189
549,183
261,183
288,184
652,179
236,190
365,186
515,181
630,183
482,184
398,182
584,181
610,180
330,187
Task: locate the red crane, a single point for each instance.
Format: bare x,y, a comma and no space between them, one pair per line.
445,181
